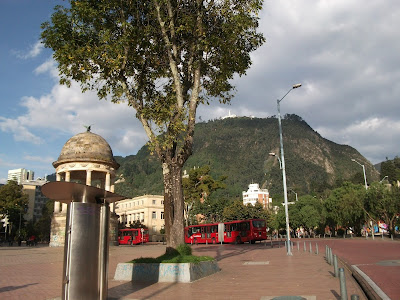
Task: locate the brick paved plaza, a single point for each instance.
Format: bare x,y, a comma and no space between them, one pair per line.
247,271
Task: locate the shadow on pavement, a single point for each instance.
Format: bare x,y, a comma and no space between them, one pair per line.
231,250
12,288
336,295
130,287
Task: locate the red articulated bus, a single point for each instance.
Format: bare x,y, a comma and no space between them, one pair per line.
237,232
133,236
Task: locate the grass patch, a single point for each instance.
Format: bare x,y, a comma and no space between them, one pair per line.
172,259
182,254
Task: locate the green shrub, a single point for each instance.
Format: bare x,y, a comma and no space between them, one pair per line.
184,249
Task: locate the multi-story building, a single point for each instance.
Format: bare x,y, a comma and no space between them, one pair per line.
32,188
148,209
254,194
35,197
20,175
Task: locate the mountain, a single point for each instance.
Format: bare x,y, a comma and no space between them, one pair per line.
240,147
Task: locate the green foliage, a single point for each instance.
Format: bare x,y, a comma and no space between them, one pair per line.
239,148
139,174
137,224
12,201
391,168
182,254
308,212
42,226
212,209
184,249
238,211
198,187
345,206
155,54
382,202
163,58
200,184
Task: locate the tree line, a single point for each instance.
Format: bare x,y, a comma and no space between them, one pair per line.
349,206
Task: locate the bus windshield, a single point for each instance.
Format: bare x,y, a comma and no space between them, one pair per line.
258,223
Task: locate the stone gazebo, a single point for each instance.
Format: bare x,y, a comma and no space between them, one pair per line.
86,158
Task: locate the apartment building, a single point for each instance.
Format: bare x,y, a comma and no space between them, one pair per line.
254,194
148,209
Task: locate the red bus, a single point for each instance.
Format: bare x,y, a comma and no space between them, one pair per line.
237,232
133,236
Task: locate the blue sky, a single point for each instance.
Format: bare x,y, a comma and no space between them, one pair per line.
345,53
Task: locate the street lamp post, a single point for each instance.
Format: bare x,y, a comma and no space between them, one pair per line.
280,163
294,193
288,245
383,179
365,177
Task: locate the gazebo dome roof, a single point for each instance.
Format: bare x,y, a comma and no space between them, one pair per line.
87,147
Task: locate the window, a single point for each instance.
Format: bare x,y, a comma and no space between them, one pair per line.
154,215
162,215
154,229
154,202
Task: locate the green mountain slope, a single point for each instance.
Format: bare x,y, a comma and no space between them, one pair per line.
240,147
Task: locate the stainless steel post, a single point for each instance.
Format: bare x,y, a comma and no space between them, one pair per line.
104,250
86,249
335,266
343,289
81,252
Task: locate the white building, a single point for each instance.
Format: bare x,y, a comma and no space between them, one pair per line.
148,209
20,175
254,194
229,116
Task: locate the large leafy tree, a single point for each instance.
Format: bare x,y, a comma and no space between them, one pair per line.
382,203
345,206
197,187
308,212
13,201
163,58
238,211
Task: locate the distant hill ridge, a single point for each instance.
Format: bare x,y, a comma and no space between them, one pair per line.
240,147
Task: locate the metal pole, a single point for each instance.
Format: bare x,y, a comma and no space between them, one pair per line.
343,289
19,228
289,251
365,178
335,266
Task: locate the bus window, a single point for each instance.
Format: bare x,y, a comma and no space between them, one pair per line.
259,223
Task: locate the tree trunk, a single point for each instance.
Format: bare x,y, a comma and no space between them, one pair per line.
173,205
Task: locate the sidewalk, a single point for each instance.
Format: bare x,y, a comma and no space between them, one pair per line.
247,272
250,272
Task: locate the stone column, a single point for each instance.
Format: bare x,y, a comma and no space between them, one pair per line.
57,204
108,182
88,177
67,179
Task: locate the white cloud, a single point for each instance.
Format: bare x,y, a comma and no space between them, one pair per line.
34,51
49,66
68,110
18,130
345,53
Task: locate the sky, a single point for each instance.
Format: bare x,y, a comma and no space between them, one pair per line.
345,53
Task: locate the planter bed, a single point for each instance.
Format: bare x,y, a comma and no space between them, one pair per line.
165,272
